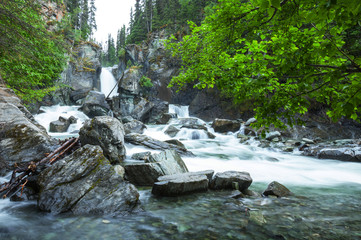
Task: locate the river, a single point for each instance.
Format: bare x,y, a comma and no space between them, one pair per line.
326,204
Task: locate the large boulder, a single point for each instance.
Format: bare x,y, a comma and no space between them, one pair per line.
95,105
85,183
165,163
22,140
130,81
180,184
225,125
138,139
108,133
225,180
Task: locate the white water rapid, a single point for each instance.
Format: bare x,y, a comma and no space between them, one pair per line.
108,82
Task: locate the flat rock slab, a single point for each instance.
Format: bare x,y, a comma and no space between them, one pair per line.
149,142
225,180
181,184
165,163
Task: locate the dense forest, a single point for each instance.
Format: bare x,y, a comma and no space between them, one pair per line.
35,39
149,16
285,57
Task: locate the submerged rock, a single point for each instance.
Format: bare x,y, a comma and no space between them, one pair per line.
165,163
225,125
85,183
277,189
108,133
181,184
225,180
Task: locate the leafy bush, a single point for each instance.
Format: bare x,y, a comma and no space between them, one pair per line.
146,82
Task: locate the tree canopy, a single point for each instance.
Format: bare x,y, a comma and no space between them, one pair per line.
31,57
283,56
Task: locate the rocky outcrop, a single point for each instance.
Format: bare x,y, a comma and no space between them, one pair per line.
343,152
226,180
226,125
83,71
181,184
108,133
22,140
134,126
85,183
95,105
165,163
149,142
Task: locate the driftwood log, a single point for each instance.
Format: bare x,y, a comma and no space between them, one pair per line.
18,182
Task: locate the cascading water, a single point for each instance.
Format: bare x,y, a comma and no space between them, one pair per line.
325,206
107,83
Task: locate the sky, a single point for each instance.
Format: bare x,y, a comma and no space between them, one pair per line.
110,16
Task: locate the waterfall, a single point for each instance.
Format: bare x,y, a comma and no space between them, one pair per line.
107,82
181,111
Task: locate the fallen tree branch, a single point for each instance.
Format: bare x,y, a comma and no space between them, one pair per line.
16,182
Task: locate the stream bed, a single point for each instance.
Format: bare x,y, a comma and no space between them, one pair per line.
326,202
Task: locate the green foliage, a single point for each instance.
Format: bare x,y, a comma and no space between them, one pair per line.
282,55
31,57
150,15
146,82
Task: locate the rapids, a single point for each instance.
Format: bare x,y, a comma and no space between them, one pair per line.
326,204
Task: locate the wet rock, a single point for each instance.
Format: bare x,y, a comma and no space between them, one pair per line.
108,133
277,189
159,113
225,125
343,154
195,126
127,119
225,180
250,193
146,141
95,105
164,119
130,81
243,138
134,126
272,135
181,184
248,131
175,142
250,121
172,131
79,94
188,121
308,141
62,124
21,138
142,109
141,156
85,183
165,163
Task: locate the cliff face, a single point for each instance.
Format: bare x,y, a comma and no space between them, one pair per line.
152,60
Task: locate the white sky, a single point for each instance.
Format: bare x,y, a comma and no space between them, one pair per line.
110,16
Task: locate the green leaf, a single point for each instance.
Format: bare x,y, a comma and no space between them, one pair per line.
275,3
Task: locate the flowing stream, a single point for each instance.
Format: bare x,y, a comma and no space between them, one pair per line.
326,204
